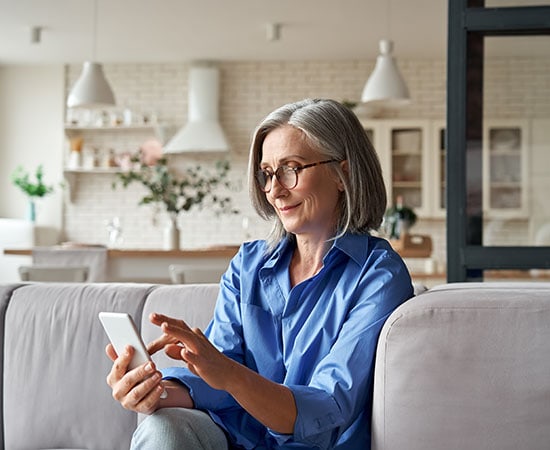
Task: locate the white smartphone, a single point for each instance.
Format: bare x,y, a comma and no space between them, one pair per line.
122,331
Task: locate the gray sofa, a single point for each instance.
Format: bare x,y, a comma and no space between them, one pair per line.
460,366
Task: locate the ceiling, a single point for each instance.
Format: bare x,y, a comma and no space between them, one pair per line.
153,31
185,30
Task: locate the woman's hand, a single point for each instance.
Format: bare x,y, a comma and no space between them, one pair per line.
139,389
269,402
192,347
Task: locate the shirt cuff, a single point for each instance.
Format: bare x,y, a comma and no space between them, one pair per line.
318,417
204,396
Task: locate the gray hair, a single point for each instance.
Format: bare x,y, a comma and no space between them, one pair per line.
335,132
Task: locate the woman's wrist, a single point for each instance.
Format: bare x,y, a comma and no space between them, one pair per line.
176,395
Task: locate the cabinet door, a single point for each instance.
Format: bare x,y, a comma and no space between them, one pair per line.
403,148
505,168
438,186
409,164
376,132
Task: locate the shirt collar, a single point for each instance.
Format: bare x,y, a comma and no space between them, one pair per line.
353,245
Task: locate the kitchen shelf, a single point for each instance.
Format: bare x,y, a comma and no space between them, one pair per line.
139,127
94,170
102,141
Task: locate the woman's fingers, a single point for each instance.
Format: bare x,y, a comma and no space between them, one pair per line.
132,391
159,319
120,364
160,343
139,389
174,351
176,328
110,351
181,333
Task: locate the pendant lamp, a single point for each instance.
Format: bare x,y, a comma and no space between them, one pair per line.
386,86
91,90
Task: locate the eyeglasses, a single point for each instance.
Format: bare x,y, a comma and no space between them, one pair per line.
287,176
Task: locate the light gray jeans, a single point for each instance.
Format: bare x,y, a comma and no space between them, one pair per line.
178,429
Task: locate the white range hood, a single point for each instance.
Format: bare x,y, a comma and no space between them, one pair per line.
203,132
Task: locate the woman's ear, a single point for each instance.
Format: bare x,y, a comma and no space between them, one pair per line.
345,168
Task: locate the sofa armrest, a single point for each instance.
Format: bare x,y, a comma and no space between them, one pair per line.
465,366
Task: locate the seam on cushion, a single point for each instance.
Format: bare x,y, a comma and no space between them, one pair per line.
449,287
384,374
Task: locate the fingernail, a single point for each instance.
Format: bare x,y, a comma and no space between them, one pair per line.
149,367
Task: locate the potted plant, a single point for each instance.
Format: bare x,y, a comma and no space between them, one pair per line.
178,192
33,189
399,219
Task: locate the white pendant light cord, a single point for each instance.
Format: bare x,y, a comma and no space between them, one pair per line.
94,33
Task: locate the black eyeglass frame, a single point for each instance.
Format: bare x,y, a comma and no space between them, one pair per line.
265,176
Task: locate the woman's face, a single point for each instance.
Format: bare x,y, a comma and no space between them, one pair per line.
311,208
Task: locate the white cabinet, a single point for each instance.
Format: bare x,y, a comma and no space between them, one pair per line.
505,168
404,149
413,158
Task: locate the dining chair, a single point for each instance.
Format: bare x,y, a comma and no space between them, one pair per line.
76,274
186,274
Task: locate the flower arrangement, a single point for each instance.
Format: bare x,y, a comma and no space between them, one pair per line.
22,180
177,192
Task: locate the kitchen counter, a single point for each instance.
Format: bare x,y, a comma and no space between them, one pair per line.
151,265
220,251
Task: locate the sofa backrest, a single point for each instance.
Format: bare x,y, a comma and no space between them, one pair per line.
465,366
55,394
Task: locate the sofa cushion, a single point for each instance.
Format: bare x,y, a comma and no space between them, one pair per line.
55,367
465,366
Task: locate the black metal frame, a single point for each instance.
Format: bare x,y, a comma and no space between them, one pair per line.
469,22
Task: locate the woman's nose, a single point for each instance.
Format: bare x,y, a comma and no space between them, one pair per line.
276,187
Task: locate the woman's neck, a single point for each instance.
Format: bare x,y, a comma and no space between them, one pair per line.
307,260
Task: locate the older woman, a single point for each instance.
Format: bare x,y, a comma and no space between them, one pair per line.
287,361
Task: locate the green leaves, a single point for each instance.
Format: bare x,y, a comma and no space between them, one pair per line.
22,179
195,187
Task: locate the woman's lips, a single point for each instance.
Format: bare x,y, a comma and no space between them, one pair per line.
285,209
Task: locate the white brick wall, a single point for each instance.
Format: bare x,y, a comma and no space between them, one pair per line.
250,90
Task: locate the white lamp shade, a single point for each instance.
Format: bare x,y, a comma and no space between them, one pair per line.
386,85
91,90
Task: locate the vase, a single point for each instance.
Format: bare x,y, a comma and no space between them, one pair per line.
171,234
31,210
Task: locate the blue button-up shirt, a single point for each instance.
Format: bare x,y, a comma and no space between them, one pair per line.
318,338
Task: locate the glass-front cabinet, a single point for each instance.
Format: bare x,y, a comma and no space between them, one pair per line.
403,147
413,157
505,168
